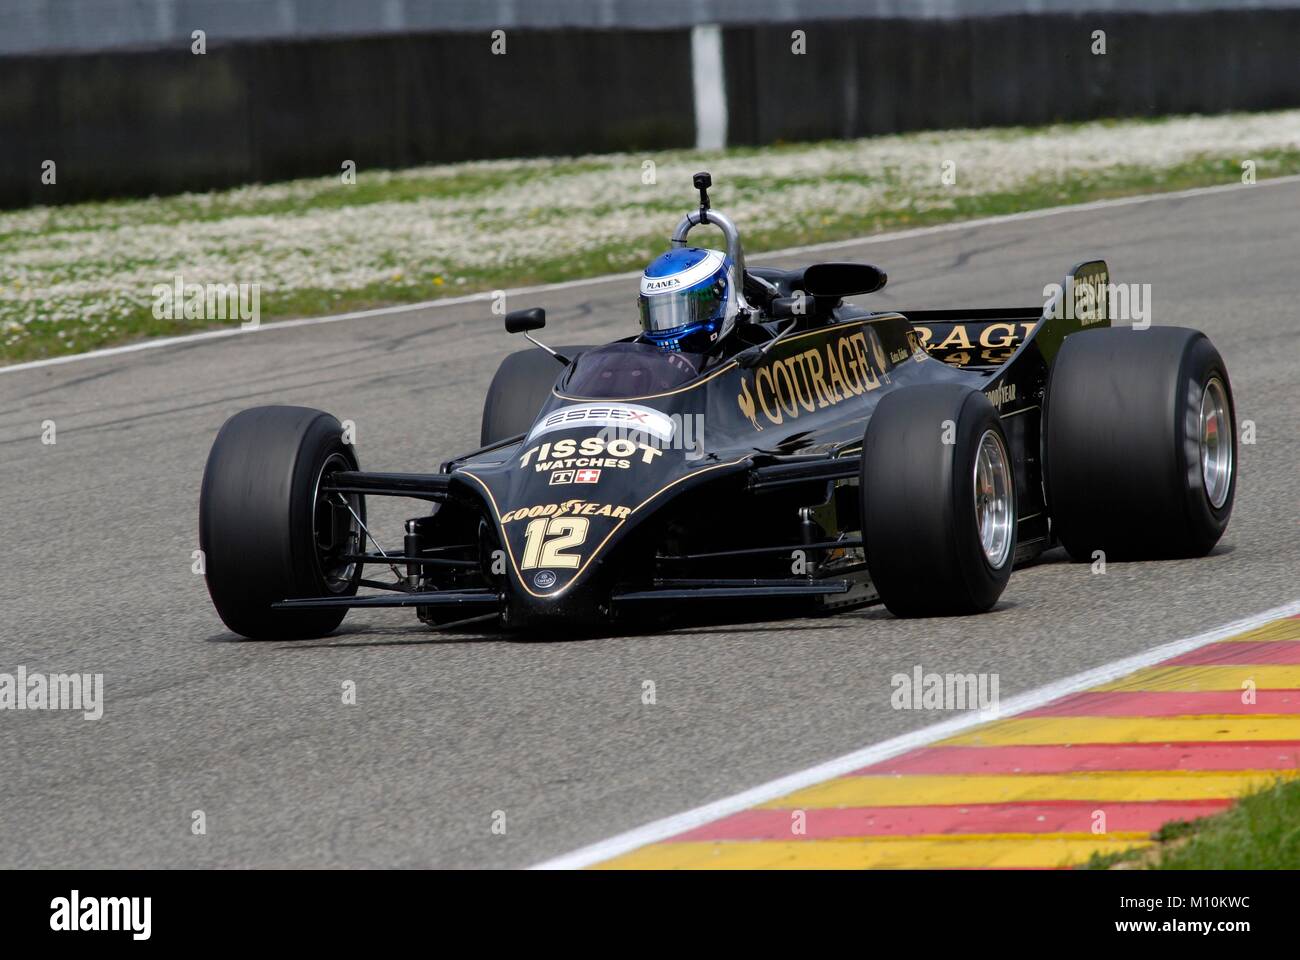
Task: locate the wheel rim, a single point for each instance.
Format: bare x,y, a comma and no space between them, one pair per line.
335,530
994,505
1216,443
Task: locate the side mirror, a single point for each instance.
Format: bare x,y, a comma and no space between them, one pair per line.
836,280
534,318
521,321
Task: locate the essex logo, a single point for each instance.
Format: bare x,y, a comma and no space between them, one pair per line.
628,417
816,378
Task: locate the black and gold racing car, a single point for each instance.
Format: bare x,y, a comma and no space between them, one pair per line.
826,455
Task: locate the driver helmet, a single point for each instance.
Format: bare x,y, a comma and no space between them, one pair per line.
686,300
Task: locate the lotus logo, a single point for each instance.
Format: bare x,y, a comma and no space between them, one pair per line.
544,579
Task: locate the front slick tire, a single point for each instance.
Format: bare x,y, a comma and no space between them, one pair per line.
266,532
938,501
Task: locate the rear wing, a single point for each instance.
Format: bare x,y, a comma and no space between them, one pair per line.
989,337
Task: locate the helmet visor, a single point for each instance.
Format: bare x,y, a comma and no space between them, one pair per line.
663,313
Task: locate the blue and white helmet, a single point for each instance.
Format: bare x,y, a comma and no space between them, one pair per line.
686,300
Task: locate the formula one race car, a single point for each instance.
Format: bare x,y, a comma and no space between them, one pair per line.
814,451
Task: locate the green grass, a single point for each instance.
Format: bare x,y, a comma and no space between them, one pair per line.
36,323
1259,832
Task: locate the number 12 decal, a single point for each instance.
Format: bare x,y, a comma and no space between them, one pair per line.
546,539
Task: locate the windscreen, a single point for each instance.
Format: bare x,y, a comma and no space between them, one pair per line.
630,370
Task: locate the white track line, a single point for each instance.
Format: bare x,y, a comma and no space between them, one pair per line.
888,237
690,819
311,321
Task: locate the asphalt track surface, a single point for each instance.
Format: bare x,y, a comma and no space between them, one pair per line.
449,729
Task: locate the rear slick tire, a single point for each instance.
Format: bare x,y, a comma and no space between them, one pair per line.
1141,444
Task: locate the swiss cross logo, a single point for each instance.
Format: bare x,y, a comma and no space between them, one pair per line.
587,476
565,476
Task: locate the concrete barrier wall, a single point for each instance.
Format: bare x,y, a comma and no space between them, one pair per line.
130,123
161,122
883,76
